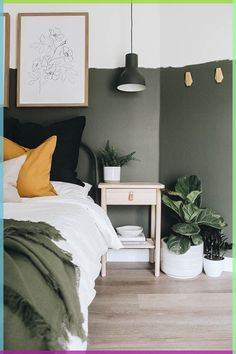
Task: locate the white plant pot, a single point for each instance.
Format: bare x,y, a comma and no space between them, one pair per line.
112,174
182,266
213,268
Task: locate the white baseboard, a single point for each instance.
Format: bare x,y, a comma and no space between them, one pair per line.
128,255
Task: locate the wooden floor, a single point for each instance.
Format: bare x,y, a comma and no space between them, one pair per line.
134,310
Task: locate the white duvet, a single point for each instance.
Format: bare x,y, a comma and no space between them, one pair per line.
87,231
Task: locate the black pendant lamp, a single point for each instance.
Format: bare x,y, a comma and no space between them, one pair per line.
130,79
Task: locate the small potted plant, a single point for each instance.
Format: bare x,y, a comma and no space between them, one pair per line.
182,249
215,246
112,161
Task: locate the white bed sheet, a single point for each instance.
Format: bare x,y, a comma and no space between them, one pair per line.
88,234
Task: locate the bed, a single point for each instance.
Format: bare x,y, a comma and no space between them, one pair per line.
87,234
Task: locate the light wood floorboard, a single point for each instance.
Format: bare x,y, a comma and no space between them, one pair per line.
134,310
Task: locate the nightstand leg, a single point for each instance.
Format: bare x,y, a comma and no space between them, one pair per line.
104,257
104,266
158,234
153,221
152,234
151,256
157,262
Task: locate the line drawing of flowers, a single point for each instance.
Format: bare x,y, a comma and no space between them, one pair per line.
54,60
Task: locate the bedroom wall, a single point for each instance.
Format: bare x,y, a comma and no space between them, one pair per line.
196,132
131,122
165,35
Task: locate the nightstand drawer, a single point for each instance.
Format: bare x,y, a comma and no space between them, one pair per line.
131,196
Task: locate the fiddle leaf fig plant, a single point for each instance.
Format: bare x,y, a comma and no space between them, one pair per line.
185,203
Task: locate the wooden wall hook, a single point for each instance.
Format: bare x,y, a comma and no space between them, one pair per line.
188,79
219,77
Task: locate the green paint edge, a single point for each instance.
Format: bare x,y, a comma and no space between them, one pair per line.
118,2
234,179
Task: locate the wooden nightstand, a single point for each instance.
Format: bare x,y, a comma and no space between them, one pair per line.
137,194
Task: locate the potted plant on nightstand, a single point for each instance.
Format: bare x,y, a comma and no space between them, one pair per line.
215,245
112,161
182,250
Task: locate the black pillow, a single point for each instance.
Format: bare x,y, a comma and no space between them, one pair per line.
10,127
65,158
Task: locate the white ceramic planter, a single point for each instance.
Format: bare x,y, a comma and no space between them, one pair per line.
183,266
213,268
112,174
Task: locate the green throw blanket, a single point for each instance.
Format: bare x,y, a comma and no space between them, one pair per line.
40,297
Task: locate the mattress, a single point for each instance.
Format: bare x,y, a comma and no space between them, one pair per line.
87,234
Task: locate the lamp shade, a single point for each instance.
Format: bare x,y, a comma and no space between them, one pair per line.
130,79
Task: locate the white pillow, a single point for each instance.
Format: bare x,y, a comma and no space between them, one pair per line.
11,169
70,190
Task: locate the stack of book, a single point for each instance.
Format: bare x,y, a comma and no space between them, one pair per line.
129,240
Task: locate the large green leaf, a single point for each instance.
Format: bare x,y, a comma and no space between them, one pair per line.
210,217
189,212
192,196
196,239
178,244
186,229
175,194
174,205
186,185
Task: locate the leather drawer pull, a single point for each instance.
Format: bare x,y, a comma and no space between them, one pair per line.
131,196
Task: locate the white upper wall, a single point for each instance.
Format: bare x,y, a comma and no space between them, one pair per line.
164,34
195,33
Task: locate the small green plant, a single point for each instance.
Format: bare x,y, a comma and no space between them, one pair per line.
110,156
215,243
213,246
185,203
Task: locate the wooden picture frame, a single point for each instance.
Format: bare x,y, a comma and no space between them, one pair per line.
52,59
6,57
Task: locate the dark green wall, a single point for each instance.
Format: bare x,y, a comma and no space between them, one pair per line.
129,120
195,131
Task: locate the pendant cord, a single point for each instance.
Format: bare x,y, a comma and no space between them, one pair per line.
131,25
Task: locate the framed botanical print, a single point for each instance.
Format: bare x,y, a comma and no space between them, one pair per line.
6,56
52,59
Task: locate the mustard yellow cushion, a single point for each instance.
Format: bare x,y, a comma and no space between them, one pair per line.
34,177
13,150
